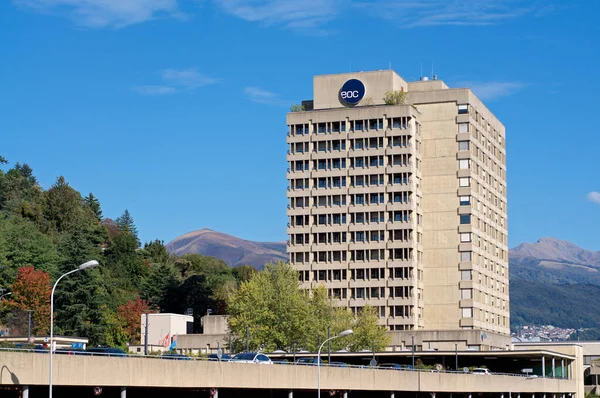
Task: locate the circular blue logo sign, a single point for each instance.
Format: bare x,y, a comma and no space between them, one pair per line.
352,91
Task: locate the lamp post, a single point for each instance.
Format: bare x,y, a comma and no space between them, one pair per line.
342,334
84,266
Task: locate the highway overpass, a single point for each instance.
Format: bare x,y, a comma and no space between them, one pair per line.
25,374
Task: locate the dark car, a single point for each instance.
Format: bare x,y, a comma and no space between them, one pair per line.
107,351
70,351
179,357
308,361
338,364
395,366
215,357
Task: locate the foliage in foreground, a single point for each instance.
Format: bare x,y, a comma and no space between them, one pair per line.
279,315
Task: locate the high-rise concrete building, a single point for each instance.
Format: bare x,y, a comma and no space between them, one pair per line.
402,205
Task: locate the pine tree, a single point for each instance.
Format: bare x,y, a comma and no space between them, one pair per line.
126,224
94,204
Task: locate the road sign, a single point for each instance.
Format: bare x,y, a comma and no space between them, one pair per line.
527,370
466,370
373,362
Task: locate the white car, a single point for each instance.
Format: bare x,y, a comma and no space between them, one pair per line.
481,371
251,357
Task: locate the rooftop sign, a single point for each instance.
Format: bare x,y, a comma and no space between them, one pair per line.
352,91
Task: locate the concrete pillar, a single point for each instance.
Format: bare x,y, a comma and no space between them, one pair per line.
469,395
562,371
291,394
571,370
216,394
553,367
392,395
543,366
25,392
123,392
345,394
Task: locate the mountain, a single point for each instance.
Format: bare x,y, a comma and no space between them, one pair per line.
554,261
555,282
234,251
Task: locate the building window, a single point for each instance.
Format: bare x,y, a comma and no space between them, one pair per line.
465,256
463,145
465,219
464,182
462,109
463,127
465,200
466,275
464,164
467,312
465,237
466,294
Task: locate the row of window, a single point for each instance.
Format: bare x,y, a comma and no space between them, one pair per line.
361,274
353,125
355,162
402,254
397,235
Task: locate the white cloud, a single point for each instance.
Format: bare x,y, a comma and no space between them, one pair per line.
175,80
421,13
154,90
295,14
104,13
261,96
492,90
593,197
188,78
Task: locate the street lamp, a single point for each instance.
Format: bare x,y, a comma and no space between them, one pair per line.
84,266
342,334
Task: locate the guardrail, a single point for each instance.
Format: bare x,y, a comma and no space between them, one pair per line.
75,352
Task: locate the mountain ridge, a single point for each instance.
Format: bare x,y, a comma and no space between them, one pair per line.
233,250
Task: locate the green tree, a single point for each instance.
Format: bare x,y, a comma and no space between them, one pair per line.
368,334
162,279
21,244
156,252
396,97
62,206
82,298
124,263
273,308
126,224
93,204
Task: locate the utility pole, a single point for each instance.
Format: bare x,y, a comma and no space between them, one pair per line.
29,325
413,351
329,344
146,336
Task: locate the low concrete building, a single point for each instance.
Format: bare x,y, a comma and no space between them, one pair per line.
164,329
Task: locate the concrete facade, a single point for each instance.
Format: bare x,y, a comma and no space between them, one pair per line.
163,327
28,369
402,207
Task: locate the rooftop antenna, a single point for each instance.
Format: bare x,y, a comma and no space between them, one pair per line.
421,75
432,70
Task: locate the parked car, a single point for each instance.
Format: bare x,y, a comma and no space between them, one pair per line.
215,357
107,351
251,357
481,371
395,366
70,351
308,361
338,364
180,357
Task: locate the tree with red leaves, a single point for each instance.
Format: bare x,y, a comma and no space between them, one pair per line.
31,291
130,315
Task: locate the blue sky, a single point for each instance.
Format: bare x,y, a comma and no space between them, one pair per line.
175,109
